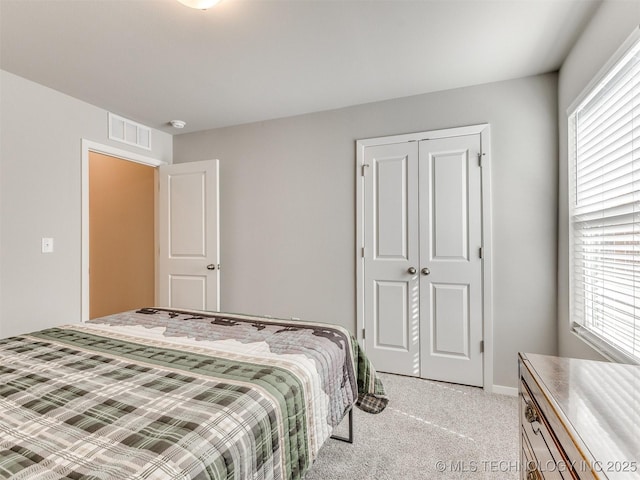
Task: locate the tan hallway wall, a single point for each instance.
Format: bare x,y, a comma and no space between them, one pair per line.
121,235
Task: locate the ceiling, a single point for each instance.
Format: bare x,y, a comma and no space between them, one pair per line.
250,60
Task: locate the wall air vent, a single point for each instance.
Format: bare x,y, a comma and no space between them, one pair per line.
131,133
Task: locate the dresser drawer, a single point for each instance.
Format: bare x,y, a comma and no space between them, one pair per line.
529,467
539,443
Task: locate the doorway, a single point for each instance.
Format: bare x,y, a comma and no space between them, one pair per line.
89,148
424,289
186,208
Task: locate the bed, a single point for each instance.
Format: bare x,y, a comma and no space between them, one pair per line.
167,394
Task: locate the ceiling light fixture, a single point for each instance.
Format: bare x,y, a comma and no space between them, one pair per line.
177,123
199,4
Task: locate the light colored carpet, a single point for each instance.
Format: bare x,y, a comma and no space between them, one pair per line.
429,430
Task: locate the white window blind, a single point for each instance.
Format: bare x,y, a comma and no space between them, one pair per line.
605,210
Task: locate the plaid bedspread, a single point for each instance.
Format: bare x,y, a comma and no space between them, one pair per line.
163,394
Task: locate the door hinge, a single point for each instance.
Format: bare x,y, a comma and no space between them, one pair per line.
480,156
363,252
480,252
364,168
481,346
363,333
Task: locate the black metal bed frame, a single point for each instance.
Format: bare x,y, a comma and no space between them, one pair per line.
348,439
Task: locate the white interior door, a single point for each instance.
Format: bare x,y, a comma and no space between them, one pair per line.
450,262
391,239
188,229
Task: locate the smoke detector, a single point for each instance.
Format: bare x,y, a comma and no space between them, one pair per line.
177,123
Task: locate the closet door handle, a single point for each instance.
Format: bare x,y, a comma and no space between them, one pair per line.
425,271
211,266
412,270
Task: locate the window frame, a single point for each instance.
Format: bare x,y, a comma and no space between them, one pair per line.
601,345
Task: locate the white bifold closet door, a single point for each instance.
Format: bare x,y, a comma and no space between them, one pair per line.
422,262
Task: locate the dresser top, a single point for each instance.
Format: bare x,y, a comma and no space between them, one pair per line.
600,401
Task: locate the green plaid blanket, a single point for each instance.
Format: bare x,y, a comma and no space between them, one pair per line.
164,394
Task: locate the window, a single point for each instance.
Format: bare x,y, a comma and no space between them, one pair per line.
604,198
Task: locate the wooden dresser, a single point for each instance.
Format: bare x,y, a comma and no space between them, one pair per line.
579,419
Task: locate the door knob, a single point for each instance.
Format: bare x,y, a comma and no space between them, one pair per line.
425,271
412,270
211,266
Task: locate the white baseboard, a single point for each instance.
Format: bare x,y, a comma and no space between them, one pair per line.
502,390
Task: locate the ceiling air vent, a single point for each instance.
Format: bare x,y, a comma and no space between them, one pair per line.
131,133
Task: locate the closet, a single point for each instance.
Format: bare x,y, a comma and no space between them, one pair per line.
421,252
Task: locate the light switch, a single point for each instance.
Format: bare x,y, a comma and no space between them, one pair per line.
47,245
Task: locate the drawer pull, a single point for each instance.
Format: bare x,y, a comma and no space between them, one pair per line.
530,413
534,474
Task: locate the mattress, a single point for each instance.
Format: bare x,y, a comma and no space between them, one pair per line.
166,394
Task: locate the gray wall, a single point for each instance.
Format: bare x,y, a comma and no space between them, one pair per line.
40,196
288,206
611,25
